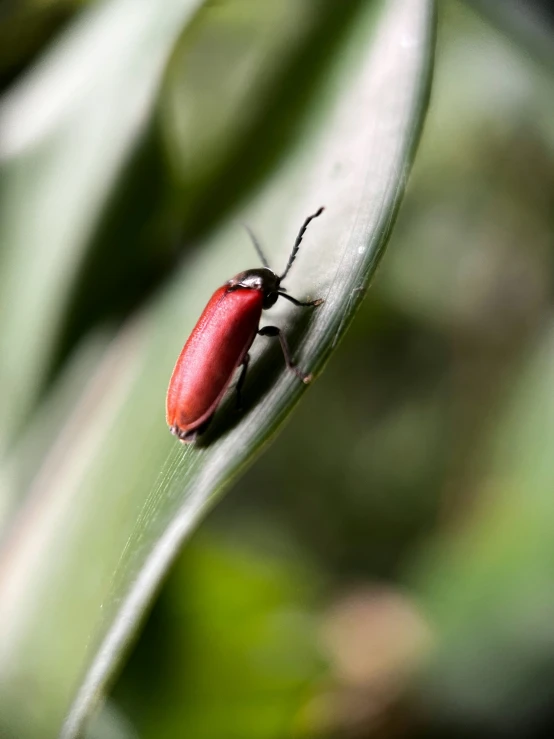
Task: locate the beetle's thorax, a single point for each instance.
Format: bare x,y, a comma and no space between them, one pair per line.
258,279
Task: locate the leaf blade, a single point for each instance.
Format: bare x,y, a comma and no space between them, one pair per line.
99,484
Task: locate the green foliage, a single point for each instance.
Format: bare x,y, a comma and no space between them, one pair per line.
248,652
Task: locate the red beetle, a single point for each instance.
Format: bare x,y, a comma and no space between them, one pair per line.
220,341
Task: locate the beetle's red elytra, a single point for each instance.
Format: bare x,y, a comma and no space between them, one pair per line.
220,341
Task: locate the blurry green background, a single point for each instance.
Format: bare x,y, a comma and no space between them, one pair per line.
396,576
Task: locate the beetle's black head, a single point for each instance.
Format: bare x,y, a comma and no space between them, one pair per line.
265,279
258,279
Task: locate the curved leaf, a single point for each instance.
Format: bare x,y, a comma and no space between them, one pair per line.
117,495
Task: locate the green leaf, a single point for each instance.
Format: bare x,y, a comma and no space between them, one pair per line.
117,495
253,680
524,23
65,133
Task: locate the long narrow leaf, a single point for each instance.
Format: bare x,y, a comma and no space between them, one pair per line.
118,495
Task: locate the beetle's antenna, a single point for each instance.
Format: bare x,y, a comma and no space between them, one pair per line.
298,240
257,246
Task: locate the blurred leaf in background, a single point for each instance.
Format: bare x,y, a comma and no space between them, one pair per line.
235,632
25,27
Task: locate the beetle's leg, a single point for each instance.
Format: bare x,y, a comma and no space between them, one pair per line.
275,331
311,303
240,383
187,437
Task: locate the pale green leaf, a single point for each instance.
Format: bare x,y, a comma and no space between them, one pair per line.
117,495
